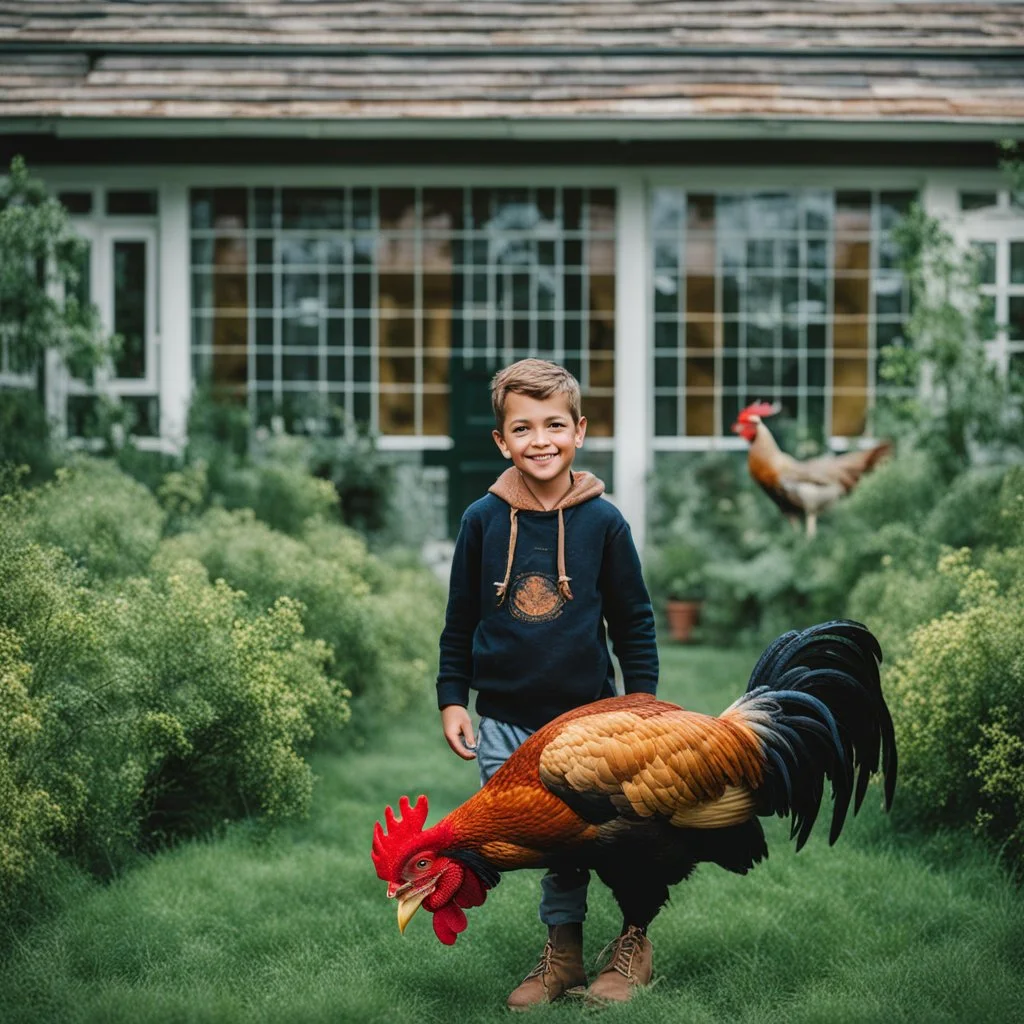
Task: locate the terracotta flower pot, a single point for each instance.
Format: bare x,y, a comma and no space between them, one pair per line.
682,617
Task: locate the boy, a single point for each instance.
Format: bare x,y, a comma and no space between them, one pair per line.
541,562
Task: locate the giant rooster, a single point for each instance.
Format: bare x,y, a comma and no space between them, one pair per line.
642,790
801,489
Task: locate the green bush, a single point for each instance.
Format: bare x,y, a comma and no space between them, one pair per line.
676,571
760,577
25,433
154,707
379,616
101,517
283,495
217,703
957,697
329,571
28,816
363,479
407,612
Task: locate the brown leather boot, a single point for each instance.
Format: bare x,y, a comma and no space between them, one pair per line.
559,970
631,965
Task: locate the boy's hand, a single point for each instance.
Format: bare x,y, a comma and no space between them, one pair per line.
458,730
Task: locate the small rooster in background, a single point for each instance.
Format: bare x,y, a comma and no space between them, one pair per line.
642,790
802,490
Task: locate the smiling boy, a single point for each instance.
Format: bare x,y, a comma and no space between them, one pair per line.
541,563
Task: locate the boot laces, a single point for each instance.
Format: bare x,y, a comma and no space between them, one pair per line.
626,947
543,964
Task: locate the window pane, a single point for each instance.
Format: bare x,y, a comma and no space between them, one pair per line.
665,416
397,413
850,296
666,371
667,206
700,416
83,416
1016,318
76,202
977,200
143,414
81,286
853,212
1016,263
892,206
132,203
313,208
435,414
130,307
442,209
700,295
223,208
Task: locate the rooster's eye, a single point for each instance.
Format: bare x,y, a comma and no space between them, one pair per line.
422,863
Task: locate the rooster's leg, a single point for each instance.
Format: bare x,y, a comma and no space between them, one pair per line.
812,524
638,895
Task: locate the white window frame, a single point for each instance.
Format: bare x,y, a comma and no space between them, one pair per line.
1000,224
108,236
101,231
779,178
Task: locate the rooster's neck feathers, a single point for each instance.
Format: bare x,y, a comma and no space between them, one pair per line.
765,457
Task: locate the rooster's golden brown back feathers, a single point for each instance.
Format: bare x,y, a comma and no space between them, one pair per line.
643,757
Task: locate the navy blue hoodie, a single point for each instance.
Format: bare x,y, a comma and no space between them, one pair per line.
530,593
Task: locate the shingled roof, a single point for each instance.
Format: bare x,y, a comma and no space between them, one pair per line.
672,63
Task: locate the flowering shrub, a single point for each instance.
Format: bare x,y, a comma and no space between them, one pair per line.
28,816
105,520
331,574
214,704
282,495
380,622
957,697
152,688
148,706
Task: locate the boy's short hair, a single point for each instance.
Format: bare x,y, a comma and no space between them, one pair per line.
535,378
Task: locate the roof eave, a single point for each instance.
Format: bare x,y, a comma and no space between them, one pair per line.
579,127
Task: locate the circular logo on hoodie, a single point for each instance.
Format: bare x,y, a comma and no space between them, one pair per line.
535,598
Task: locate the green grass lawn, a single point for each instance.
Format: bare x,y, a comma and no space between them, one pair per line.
297,928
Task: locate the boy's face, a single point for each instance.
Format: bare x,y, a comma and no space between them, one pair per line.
541,439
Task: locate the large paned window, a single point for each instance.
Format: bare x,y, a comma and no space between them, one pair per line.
993,224
781,296
119,276
357,299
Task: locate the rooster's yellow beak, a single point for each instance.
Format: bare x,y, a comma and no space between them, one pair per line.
409,900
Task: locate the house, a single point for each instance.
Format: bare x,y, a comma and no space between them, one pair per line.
369,207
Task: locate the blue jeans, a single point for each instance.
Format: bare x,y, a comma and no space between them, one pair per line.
563,894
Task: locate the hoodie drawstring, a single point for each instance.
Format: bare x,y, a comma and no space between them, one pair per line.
563,579
513,531
501,586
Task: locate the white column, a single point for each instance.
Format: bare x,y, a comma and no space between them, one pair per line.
632,452
175,301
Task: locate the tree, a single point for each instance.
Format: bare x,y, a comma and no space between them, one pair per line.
42,306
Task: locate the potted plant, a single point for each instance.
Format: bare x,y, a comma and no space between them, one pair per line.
677,576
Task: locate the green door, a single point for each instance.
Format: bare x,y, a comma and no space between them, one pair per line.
474,462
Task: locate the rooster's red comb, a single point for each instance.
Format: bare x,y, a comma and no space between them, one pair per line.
390,848
761,409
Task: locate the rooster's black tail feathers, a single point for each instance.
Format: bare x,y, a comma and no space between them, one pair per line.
815,701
